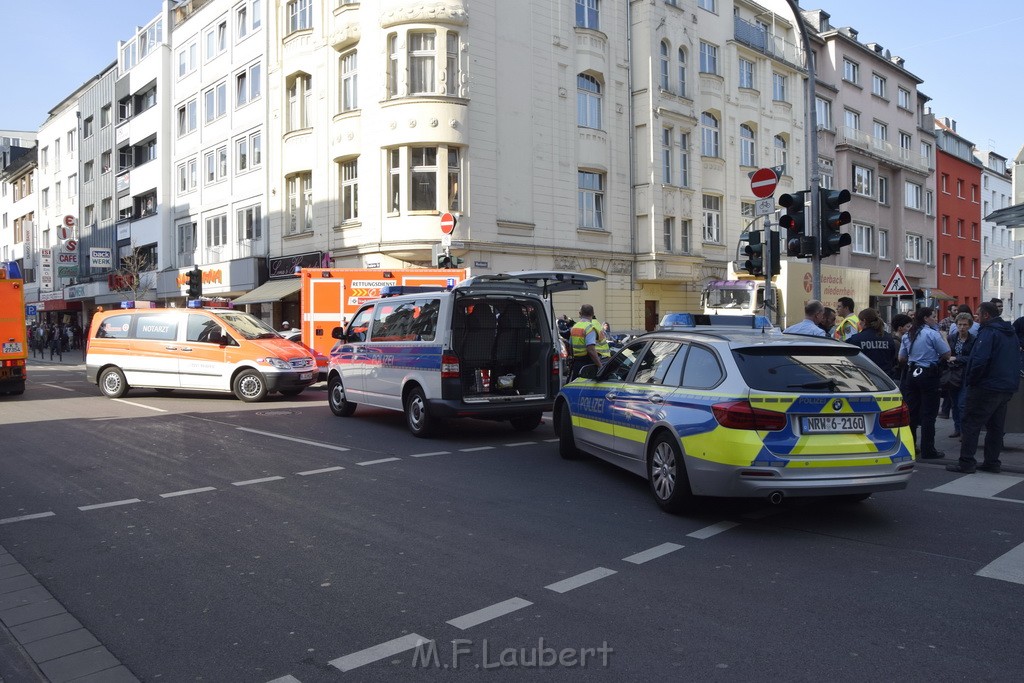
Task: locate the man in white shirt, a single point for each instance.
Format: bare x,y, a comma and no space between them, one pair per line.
814,311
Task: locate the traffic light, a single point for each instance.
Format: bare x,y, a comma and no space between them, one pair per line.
195,283
444,261
795,222
833,218
774,252
457,261
755,253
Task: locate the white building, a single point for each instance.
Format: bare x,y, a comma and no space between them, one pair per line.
1001,272
16,149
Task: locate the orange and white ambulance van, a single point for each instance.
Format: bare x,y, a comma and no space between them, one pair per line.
208,349
13,336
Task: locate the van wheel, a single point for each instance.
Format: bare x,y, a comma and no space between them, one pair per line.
666,474
526,423
336,398
566,440
249,386
112,383
292,392
418,419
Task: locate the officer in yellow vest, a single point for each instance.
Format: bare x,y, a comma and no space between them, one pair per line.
849,323
589,344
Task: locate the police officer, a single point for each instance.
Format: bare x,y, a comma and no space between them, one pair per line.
924,350
589,344
848,323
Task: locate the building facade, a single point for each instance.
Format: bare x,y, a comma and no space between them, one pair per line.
959,210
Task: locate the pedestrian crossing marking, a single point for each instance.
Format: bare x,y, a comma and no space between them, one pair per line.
980,485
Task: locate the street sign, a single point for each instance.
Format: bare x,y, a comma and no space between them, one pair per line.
446,240
764,207
447,223
763,182
70,221
897,285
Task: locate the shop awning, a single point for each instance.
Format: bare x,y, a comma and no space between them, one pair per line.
877,289
1012,216
939,295
274,290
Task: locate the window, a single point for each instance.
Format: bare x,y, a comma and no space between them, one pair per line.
852,119
241,22
188,117
300,99
45,197
394,181
105,116
960,227
883,244
863,180
393,65
779,93
215,163
663,65
299,191
824,113
881,131
87,172
974,231
959,183
248,152
106,209
708,5
124,109
747,210
256,18
248,85
684,235
906,141
421,63
349,93
87,128
913,247
186,175
712,208
588,101
709,135
587,14
826,167
186,238
682,72
974,268
423,179
945,264
748,156
89,215
684,159
861,239
348,174
105,161
423,55
216,40
144,204
883,190
878,85
217,230
913,196
851,71
903,98
187,59
249,222
781,152
746,73
591,200
668,233
929,203
708,58
944,222
56,195
667,134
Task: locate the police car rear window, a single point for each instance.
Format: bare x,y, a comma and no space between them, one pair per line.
810,370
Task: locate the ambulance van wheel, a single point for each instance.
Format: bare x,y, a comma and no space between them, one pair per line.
249,386
112,383
336,398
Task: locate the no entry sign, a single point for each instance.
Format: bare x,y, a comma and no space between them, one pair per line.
447,223
763,182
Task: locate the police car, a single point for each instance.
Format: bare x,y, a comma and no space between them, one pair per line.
729,406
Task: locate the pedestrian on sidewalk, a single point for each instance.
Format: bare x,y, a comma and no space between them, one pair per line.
923,350
875,342
55,343
961,341
992,377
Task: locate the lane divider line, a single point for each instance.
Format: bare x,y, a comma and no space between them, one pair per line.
574,582
129,501
320,471
379,652
550,440
498,609
713,530
285,679
427,455
377,462
652,553
521,443
256,481
318,444
55,386
478,448
187,492
139,405
22,518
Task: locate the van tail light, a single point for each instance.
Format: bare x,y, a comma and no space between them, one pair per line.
449,366
896,417
742,415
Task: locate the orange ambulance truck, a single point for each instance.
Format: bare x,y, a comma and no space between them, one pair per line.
332,295
13,335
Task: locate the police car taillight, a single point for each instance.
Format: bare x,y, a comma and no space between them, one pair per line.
449,366
897,417
742,415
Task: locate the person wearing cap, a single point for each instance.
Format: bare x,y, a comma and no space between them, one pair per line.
286,326
588,341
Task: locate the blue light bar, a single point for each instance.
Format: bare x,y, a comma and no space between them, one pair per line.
699,320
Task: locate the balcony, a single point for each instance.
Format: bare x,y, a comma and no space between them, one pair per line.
758,38
882,149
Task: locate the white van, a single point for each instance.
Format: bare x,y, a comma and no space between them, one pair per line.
487,348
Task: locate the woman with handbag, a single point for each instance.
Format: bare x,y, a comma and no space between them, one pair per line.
961,341
924,349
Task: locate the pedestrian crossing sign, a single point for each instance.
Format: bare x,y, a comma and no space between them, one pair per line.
897,285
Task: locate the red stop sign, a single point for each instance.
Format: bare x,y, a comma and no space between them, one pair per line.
447,223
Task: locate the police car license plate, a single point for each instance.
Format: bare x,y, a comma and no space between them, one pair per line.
306,375
832,424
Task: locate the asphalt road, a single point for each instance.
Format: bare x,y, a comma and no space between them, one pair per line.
198,538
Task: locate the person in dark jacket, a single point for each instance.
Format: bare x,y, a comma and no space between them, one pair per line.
875,342
992,375
961,341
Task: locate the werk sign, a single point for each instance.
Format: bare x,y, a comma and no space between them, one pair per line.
897,285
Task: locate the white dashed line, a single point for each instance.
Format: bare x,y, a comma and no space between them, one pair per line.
188,492
427,455
714,529
255,481
112,504
551,440
321,471
1008,567
55,386
377,462
652,553
22,518
496,610
521,443
139,405
478,448
379,652
285,679
573,582
292,438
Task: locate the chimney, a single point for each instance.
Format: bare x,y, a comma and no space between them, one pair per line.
949,123
898,61
876,47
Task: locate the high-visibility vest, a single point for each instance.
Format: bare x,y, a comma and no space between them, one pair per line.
842,333
578,338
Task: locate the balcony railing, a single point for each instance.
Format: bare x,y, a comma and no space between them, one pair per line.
757,37
883,148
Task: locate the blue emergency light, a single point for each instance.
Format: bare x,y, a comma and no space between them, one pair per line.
696,320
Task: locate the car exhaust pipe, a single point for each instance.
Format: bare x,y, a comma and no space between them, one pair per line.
775,497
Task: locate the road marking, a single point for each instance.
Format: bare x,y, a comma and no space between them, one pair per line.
551,440
573,582
427,455
321,471
713,530
379,652
652,553
139,405
255,481
115,503
285,679
496,610
478,448
22,518
188,492
377,462
978,485
55,386
522,443
318,444
1008,567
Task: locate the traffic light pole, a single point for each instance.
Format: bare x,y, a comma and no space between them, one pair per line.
771,243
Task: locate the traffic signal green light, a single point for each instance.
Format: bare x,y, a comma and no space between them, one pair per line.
795,223
195,283
833,218
755,253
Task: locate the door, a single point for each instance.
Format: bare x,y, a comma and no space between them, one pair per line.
203,355
599,407
651,316
154,351
353,357
642,400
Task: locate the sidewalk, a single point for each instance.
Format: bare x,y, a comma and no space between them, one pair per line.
70,359
1012,455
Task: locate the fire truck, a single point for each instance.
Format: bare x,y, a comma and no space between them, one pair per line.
13,335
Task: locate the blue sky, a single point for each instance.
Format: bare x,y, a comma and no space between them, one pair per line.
964,52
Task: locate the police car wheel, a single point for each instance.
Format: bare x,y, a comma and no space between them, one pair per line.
336,398
666,474
112,383
249,386
566,440
526,423
417,418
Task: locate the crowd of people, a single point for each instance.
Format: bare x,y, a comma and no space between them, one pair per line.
54,337
966,367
